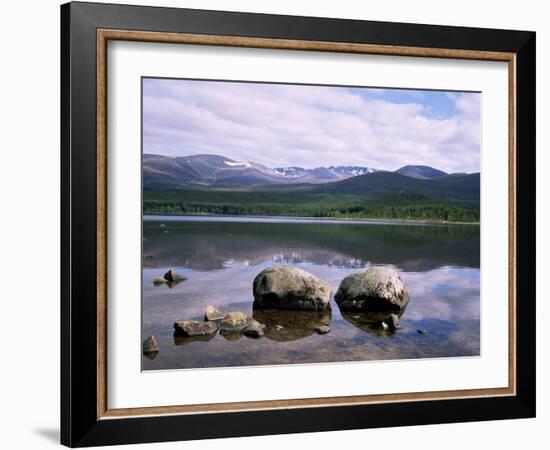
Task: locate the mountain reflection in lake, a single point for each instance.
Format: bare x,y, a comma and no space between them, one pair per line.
439,264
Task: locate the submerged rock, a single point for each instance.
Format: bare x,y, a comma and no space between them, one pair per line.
150,346
192,328
212,313
374,289
254,329
286,287
234,322
422,331
173,277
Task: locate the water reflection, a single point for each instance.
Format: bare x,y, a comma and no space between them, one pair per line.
370,322
232,335
150,355
170,284
184,340
215,245
285,326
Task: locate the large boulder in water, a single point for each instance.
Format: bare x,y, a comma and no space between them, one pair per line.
374,289
286,287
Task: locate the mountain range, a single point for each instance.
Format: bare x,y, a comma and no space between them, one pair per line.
165,172
213,184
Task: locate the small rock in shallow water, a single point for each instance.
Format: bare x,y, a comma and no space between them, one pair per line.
150,345
254,329
158,281
234,321
422,331
393,321
213,313
193,328
173,276
322,329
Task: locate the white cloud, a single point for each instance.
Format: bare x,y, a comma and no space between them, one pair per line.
310,126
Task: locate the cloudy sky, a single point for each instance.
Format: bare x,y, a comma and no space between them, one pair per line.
310,126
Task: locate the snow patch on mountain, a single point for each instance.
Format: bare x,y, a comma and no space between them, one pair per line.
351,170
290,172
238,164
339,172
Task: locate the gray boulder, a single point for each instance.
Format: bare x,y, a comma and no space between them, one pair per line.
192,328
234,321
286,287
374,289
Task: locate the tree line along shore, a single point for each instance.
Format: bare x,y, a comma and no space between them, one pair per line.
394,206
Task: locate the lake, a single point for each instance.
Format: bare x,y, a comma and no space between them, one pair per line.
221,256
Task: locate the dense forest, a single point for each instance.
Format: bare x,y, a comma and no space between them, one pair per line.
404,206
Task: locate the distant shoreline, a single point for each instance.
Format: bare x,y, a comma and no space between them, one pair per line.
306,219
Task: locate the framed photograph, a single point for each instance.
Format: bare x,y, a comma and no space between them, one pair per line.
278,224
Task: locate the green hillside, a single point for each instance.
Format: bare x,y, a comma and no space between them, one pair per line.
462,190
380,195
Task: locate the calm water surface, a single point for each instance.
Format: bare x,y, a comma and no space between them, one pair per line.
221,256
